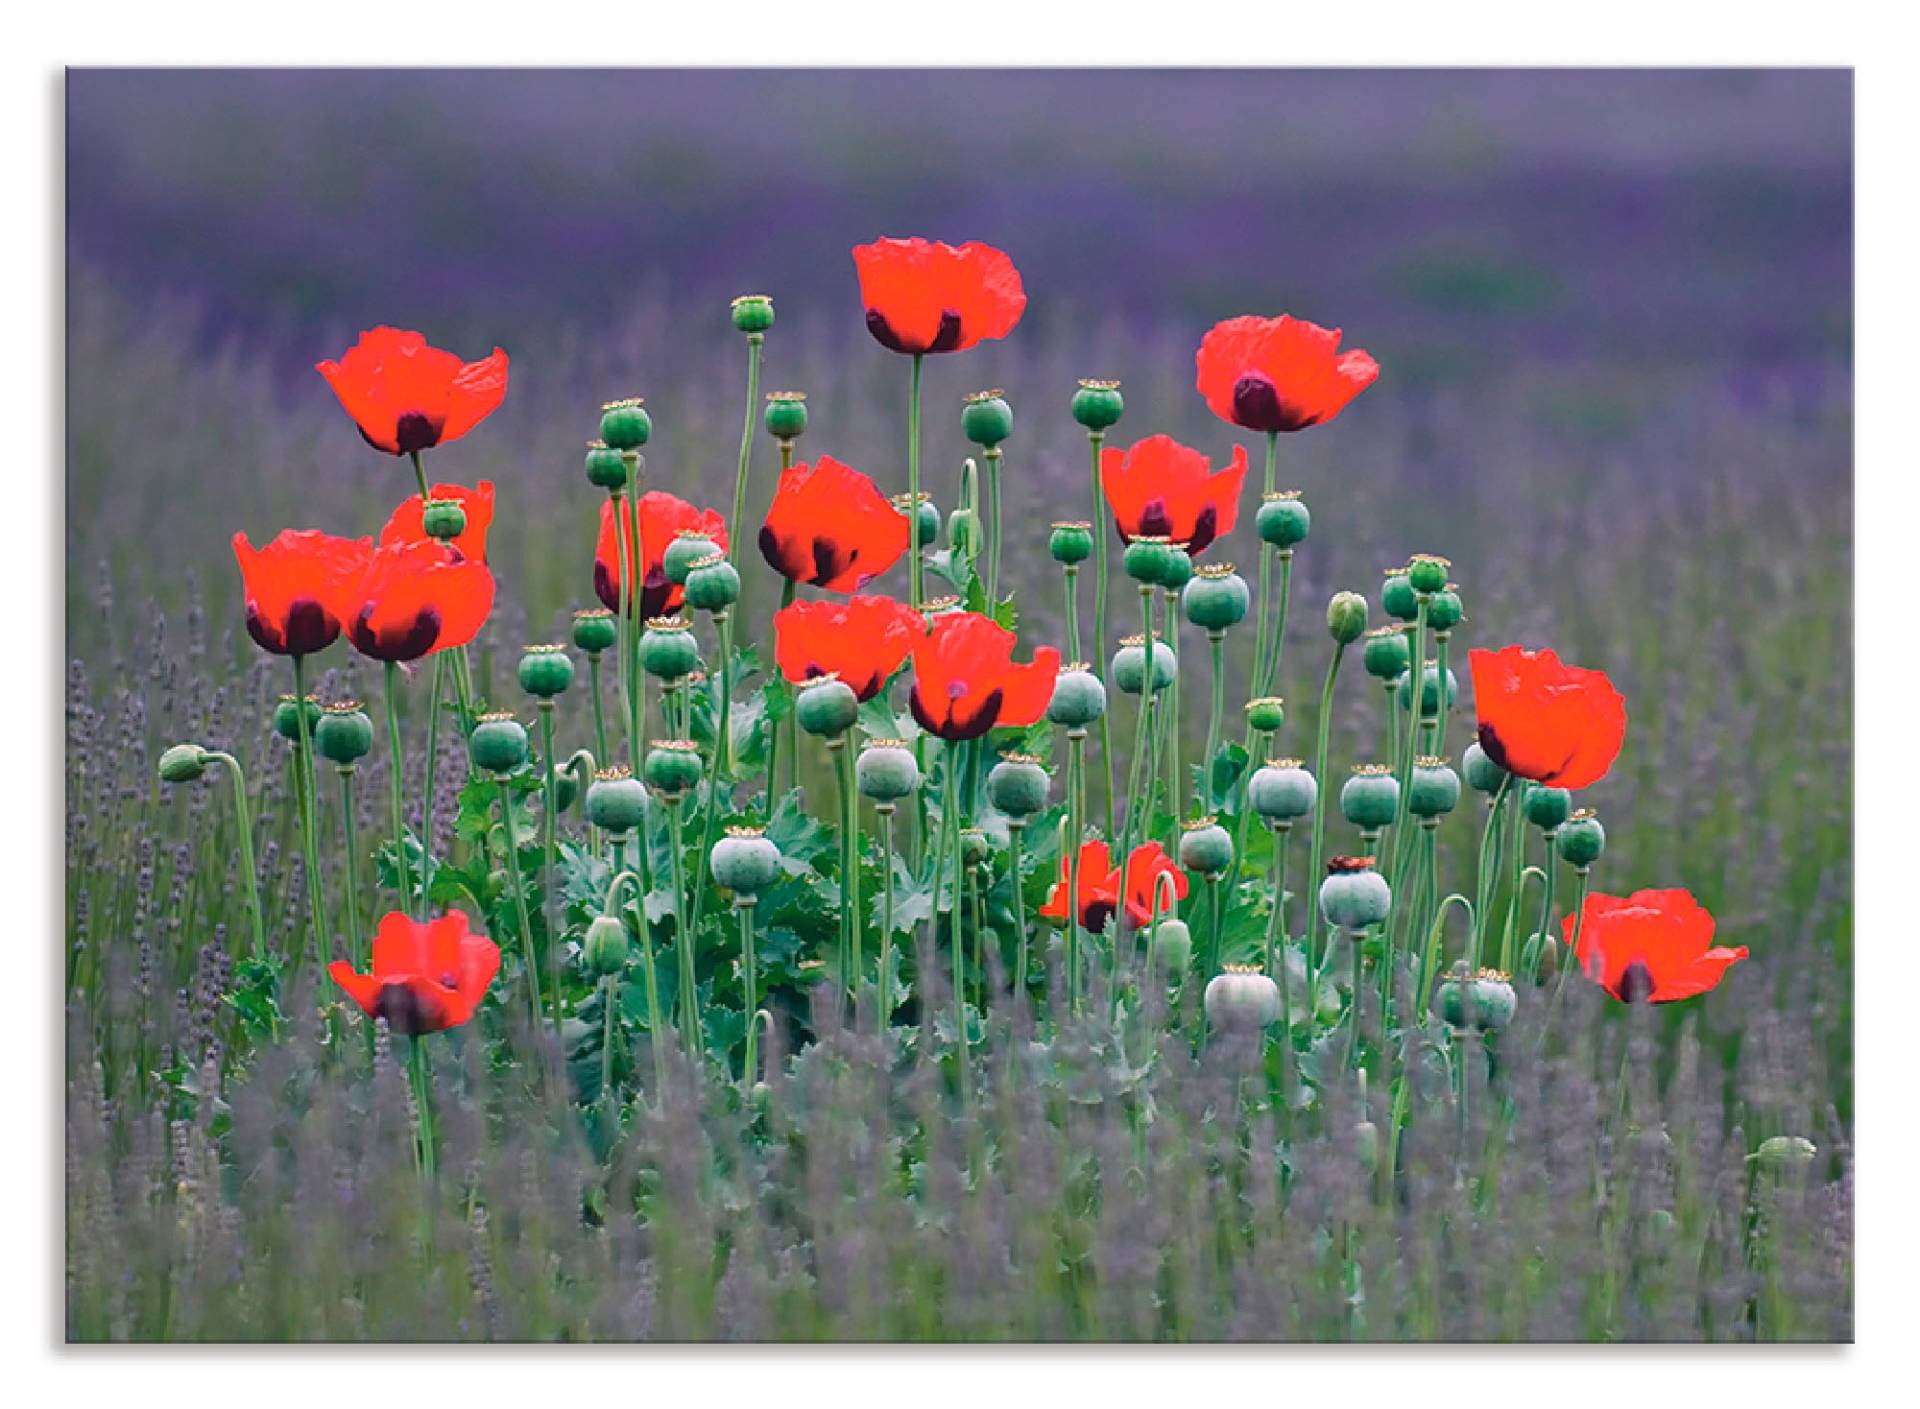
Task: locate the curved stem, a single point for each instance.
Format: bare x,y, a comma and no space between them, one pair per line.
244,815
520,902
655,1026
754,344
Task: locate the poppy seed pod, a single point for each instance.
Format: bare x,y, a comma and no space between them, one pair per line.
1079,697
1547,807
183,763
1370,798
1071,542
1216,598
545,671
1397,597
1018,785
1148,560
1241,999
926,519
786,415
616,801
973,847
498,743
1282,790
1179,571
1354,895
1386,653
1427,574
826,706
667,648
606,947
1173,947
753,313
606,467
1429,690
1098,405
1206,847
1266,714
744,861
886,771
1580,840
625,425
1282,519
1444,611
1129,665
673,767
595,630
1484,1000
1433,789
344,734
713,584
1540,956
987,419
689,546
1483,774
286,722
443,518
1347,617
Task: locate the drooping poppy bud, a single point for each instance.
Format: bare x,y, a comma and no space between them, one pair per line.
1346,617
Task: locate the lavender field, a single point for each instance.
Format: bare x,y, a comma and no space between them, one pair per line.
1613,317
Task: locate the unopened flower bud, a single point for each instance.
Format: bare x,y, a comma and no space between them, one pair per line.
1347,617
606,947
1172,947
973,847
183,763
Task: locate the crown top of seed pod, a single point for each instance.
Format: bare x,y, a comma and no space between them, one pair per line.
1100,383
1279,496
1196,824
623,404
972,832
1134,640
1242,970
1150,538
675,745
1013,756
288,699
1392,628
752,298
668,623
596,445
1070,523
1582,814
437,503
1400,571
498,716
1413,558
900,501
825,677
710,560
1285,763
786,396
542,648
939,604
613,774
1460,973
1081,666
748,832
883,744
991,393
341,707
1372,770
1213,570
1265,700
811,964
1432,760
591,613
690,533
1343,865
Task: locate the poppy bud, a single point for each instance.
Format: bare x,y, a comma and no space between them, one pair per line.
1540,956
595,630
1547,807
1354,895
606,467
1484,1000
1785,1152
546,670
986,418
1397,597
1071,542
1433,789
1129,665
1098,405
886,771
826,706
1347,617
1444,611
1206,846
1216,598
1018,785
744,861
1581,840
625,425
616,802
1079,697
1429,690
926,520
973,847
443,519
286,722
1282,790
1148,560
344,734
1370,799
962,533
1387,653
1266,714
183,763
786,417
689,546
565,788
1483,774
753,313
1173,947
1366,1145
498,743
1241,999
673,767
1282,519
1427,574
606,946
713,584
667,648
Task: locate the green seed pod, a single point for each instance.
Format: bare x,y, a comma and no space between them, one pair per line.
1433,789
1098,405
1071,542
1540,956
786,416
1266,714
1079,697
1580,840
1206,847
546,670
689,546
1427,574
498,743
1483,774
595,630
183,763
606,467
1354,895
344,734
1785,1152
713,584
1444,611
986,419
1179,570
744,861
1387,653
1018,785
1241,999
1370,799
286,722
1347,617
673,767
616,801
606,947
826,706
973,847
1282,790
886,771
1282,520
1429,690
753,313
1216,598
625,425
1128,668
1547,807
1148,560
1397,597
667,649
1484,1001
1172,947
443,519
926,524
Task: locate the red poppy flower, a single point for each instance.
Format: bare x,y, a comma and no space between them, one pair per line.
1539,719
925,296
829,527
407,523
417,598
425,977
1279,374
1654,946
300,588
1145,865
406,396
1159,488
1097,887
662,518
965,681
863,640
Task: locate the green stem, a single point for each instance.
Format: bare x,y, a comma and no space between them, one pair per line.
993,547
1216,651
1276,918
426,809
1483,896
1076,820
1320,768
520,902
849,862
1148,681
717,766
1100,520
310,820
1270,678
743,906
419,475
550,807
607,993
422,1080
655,1026
244,816
915,598
1015,829
886,810
394,772
352,866
599,713
950,827
1266,577
683,939
1176,776
1070,572
754,344
1571,959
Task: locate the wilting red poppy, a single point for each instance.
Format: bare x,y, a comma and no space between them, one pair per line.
1279,374
300,588
407,524
925,296
1159,488
965,681
406,396
862,640
829,527
1146,864
1097,887
417,598
425,977
1539,719
1654,946
662,517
